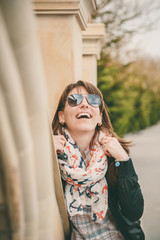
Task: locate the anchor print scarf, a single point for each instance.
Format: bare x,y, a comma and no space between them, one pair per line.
86,184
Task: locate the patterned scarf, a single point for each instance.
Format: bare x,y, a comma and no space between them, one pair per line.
86,185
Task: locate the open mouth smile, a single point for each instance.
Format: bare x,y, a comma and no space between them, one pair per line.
83,115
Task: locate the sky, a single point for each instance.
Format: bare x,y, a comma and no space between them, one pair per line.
152,43
147,43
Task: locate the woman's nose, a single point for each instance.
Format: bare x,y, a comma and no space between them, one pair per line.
84,102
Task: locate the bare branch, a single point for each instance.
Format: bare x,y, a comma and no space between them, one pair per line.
123,18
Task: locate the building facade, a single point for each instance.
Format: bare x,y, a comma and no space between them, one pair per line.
44,46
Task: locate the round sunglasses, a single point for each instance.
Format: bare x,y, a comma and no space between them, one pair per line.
76,99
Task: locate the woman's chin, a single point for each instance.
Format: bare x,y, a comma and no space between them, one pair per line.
84,128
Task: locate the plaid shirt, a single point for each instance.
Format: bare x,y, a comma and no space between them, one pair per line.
84,228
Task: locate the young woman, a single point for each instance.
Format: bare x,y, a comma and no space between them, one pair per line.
102,194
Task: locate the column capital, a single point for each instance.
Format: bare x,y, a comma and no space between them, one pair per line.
82,9
93,39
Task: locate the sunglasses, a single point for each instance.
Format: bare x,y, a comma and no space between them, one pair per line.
76,99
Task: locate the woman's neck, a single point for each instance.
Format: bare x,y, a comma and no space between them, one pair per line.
82,140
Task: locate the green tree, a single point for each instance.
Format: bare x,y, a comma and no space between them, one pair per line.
133,103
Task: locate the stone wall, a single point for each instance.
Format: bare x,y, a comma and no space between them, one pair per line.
40,54
70,44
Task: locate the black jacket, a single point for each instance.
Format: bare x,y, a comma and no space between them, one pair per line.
126,202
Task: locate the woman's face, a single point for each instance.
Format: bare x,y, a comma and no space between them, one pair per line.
82,118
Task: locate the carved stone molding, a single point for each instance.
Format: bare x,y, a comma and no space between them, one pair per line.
82,9
93,39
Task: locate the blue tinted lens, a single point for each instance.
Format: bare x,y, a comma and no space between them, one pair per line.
94,100
75,99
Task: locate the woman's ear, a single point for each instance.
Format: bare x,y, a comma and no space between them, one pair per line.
61,117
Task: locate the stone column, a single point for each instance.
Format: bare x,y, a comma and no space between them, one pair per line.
60,24
93,41
25,101
16,141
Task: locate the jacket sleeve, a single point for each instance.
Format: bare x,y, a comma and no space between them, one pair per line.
130,198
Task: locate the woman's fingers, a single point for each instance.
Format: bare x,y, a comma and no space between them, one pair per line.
106,149
107,139
59,138
112,147
108,154
59,148
59,142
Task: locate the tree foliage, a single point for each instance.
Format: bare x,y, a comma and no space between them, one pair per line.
131,91
128,90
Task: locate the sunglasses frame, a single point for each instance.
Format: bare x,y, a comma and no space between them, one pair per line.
86,97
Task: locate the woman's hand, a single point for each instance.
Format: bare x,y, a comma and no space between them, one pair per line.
59,143
113,148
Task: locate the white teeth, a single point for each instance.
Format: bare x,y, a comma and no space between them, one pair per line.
81,115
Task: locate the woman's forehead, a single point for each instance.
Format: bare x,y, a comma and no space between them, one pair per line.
78,90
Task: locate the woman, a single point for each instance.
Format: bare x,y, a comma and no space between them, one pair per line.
102,194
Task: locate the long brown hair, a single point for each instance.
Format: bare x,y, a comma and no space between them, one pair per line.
106,123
